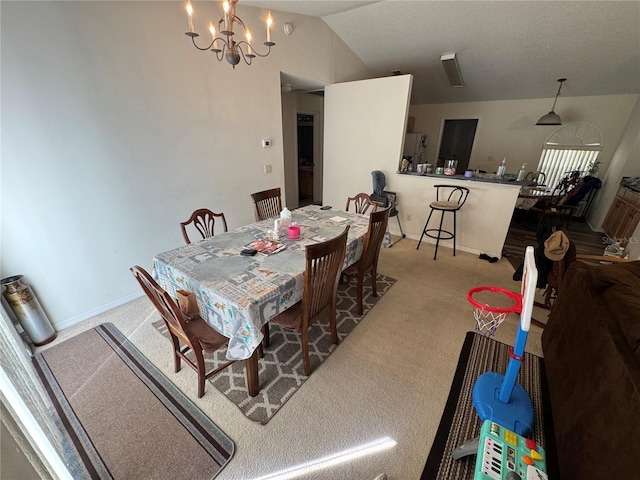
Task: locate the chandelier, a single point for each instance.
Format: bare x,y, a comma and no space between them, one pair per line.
224,45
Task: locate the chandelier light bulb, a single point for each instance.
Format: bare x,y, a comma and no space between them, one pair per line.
190,15
269,24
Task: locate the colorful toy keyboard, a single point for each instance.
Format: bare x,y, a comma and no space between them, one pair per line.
505,455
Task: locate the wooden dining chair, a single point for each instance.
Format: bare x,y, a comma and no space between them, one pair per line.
321,276
368,263
267,204
204,221
362,203
190,330
554,208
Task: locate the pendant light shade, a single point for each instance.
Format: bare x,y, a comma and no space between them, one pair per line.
552,118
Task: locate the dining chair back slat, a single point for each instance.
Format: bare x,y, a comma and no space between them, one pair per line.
362,203
321,277
204,221
267,204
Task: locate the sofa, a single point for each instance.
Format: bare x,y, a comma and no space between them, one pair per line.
591,348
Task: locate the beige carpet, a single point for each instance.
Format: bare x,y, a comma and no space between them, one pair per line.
390,377
281,370
123,417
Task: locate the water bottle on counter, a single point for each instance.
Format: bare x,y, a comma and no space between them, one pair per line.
522,173
502,167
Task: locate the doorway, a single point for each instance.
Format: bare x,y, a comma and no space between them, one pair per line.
305,158
456,142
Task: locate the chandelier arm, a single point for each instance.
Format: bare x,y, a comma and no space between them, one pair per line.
239,20
247,59
220,52
254,52
193,40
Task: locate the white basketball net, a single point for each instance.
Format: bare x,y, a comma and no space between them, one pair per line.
487,321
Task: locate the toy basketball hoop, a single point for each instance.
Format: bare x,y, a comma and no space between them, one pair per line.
491,305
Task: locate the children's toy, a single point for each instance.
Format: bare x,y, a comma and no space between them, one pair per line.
498,397
505,455
386,199
489,317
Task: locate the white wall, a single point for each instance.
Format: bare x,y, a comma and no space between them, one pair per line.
482,222
507,128
115,128
625,162
363,131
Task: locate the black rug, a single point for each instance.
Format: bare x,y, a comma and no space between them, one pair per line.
460,421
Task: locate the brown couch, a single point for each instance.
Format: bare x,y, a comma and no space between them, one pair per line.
592,360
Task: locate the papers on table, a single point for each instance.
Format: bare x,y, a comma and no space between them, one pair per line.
266,246
338,219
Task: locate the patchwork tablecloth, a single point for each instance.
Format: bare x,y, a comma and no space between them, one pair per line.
237,294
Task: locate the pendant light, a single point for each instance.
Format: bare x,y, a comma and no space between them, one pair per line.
552,118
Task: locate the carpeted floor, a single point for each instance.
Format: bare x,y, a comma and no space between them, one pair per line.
123,418
281,370
389,378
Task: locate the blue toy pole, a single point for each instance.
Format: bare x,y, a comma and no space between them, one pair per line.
513,368
498,397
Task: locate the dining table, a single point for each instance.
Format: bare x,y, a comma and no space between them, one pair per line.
238,294
529,197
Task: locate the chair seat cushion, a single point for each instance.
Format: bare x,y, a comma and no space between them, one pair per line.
290,318
444,205
209,338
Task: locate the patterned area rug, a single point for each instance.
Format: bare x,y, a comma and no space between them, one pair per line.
281,370
119,415
460,421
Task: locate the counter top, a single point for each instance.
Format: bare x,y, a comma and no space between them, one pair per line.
469,179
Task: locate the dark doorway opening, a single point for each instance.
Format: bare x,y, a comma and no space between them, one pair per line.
305,159
457,141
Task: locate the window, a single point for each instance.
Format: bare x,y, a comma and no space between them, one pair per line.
571,148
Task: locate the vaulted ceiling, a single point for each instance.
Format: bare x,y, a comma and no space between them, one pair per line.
506,49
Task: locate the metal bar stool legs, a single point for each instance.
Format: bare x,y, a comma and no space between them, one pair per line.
424,229
454,231
452,202
440,233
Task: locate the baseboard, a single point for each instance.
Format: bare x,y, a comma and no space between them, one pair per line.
96,311
460,248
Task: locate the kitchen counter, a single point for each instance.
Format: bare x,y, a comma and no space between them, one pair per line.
498,181
483,221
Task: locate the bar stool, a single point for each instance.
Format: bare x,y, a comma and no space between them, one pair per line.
455,198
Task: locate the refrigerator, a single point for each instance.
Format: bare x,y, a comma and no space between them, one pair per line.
415,145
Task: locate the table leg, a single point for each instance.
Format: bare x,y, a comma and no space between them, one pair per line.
253,382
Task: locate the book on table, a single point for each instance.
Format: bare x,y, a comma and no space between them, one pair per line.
265,246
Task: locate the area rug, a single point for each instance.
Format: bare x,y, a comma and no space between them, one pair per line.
460,421
281,370
121,415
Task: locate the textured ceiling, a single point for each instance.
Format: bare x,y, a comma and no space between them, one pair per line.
506,49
